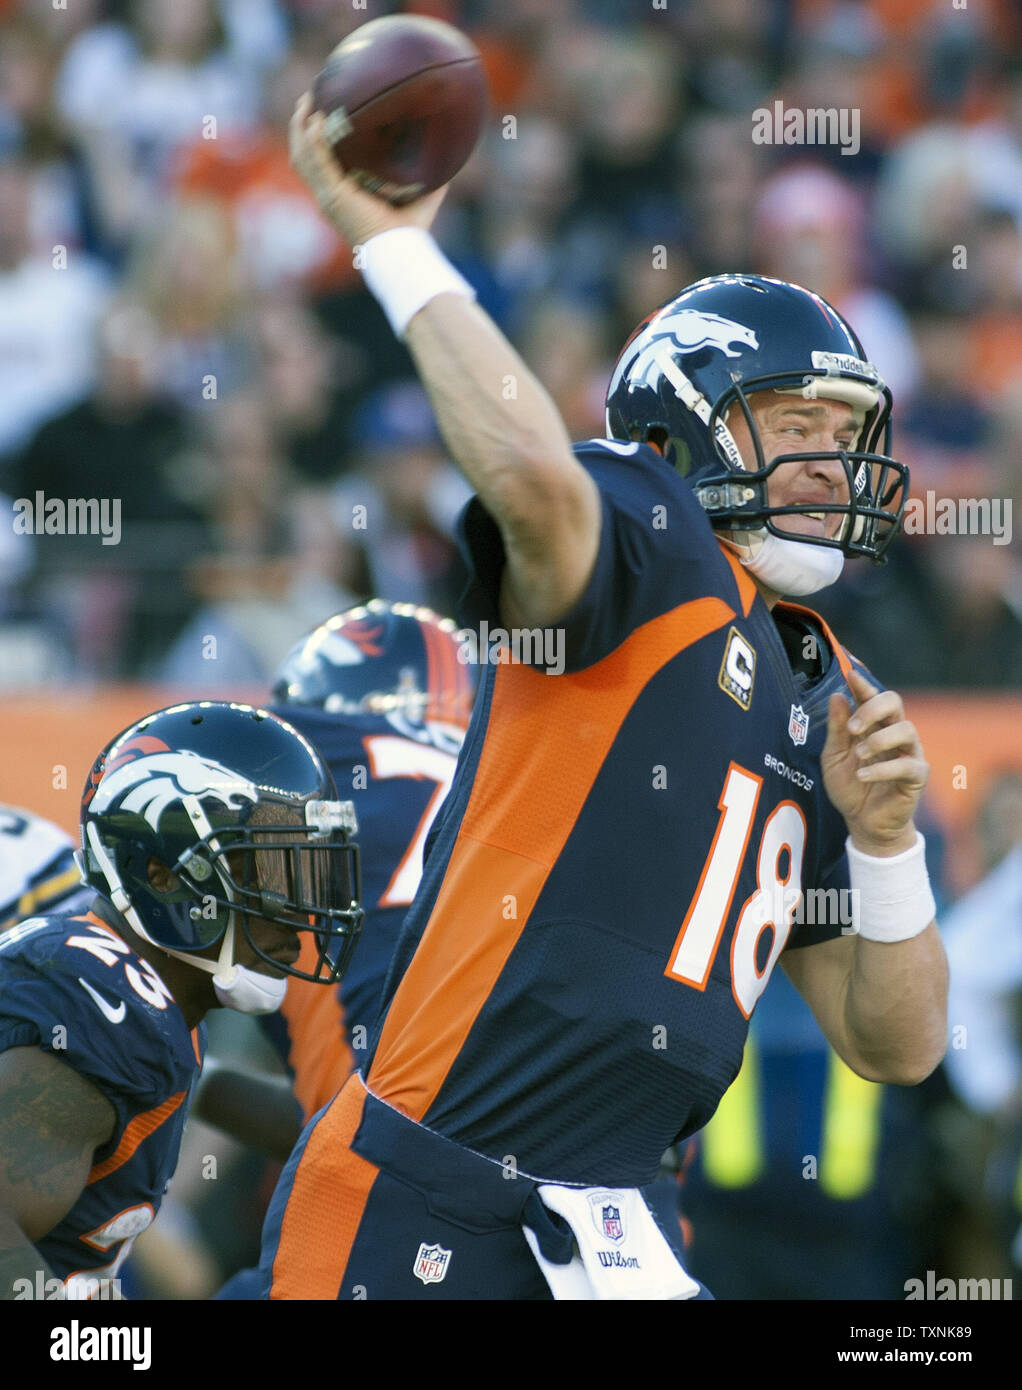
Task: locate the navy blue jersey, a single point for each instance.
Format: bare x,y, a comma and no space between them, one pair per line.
618,867
71,986
397,774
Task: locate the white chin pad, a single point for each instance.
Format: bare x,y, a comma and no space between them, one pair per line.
789,567
248,992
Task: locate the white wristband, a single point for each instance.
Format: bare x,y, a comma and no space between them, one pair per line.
891,898
404,268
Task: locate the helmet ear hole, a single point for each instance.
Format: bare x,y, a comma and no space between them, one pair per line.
658,435
160,877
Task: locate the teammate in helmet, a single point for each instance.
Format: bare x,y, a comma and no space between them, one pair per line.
215,842
220,865
383,693
381,658
628,842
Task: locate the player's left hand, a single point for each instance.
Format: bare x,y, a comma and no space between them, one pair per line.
873,768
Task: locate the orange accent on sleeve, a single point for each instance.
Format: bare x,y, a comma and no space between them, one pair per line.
547,740
745,582
843,659
320,1056
97,921
135,1132
195,1045
328,1198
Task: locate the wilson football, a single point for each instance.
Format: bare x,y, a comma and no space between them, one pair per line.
405,100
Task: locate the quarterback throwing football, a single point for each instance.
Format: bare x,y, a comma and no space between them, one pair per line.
630,845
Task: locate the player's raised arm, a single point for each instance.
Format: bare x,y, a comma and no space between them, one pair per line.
51,1122
515,452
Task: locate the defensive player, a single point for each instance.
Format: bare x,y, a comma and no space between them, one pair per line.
214,841
37,868
384,693
625,847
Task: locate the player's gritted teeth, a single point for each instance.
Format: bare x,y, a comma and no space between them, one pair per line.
821,523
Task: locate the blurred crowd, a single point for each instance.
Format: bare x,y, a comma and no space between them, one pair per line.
180,330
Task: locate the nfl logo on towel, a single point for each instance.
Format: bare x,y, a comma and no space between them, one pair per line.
607,1216
798,725
612,1224
431,1263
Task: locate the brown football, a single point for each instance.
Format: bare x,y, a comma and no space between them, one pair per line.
405,100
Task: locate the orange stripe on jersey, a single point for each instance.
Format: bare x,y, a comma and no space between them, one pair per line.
504,853
195,1045
135,1132
328,1197
744,580
320,1056
836,647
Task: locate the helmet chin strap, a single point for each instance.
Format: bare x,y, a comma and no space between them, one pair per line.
789,567
237,986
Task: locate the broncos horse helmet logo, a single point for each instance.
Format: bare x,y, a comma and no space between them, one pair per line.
687,330
693,330
148,785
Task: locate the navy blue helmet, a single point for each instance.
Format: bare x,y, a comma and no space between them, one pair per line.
709,349
381,658
242,810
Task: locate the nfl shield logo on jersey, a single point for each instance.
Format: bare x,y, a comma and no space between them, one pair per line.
612,1224
431,1263
798,725
607,1216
